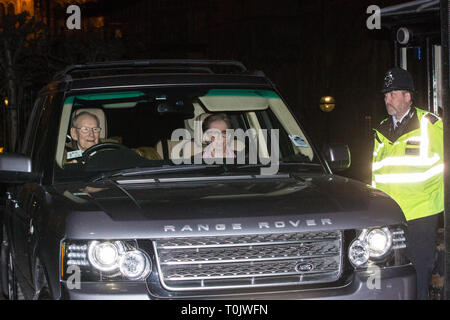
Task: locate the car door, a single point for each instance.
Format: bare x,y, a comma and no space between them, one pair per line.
21,227
25,201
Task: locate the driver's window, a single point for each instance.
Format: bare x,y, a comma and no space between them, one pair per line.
32,127
41,143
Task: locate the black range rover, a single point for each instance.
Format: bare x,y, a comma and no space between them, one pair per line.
144,214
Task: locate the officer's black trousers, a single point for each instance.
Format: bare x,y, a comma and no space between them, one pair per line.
421,250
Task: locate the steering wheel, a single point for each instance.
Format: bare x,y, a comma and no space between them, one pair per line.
101,146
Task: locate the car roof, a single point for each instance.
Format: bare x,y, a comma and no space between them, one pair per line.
147,73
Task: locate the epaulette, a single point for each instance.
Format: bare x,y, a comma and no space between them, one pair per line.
383,121
432,117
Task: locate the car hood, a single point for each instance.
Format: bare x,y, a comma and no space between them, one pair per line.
199,206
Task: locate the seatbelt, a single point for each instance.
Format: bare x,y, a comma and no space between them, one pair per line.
165,148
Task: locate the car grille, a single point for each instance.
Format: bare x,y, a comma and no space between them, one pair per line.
252,260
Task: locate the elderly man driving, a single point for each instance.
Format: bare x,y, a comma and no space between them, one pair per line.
85,132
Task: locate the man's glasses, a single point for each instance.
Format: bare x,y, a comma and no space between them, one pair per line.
86,130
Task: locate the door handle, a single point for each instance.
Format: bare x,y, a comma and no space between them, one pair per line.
15,203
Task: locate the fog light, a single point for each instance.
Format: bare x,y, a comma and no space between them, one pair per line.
134,265
359,253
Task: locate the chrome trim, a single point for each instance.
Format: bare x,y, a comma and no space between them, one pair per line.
135,181
243,243
274,176
249,272
244,260
246,276
239,244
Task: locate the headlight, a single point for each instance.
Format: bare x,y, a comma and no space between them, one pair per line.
104,255
380,242
105,260
375,245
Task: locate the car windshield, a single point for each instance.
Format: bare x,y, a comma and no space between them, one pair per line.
119,130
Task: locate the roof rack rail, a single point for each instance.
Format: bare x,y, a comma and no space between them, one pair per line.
204,65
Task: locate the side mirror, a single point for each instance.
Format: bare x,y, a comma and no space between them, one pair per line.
338,157
16,168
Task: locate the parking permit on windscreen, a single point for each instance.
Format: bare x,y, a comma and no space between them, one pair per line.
298,141
74,154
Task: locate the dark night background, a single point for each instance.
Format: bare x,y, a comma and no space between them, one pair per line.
309,49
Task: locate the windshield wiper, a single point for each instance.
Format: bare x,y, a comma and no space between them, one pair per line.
297,158
281,166
131,172
216,168
293,163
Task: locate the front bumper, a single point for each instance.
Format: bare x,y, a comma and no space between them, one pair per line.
395,283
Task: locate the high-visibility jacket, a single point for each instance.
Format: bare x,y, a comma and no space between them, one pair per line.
410,168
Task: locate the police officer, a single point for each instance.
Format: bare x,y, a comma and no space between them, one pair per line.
408,166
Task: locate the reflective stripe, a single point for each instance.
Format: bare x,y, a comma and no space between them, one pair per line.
415,139
406,161
409,177
421,160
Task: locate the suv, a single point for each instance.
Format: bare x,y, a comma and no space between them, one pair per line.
143,214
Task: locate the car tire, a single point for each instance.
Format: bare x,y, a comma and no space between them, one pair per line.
41,285
11,288
4,263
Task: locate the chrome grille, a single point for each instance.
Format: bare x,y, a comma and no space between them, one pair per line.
250,260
